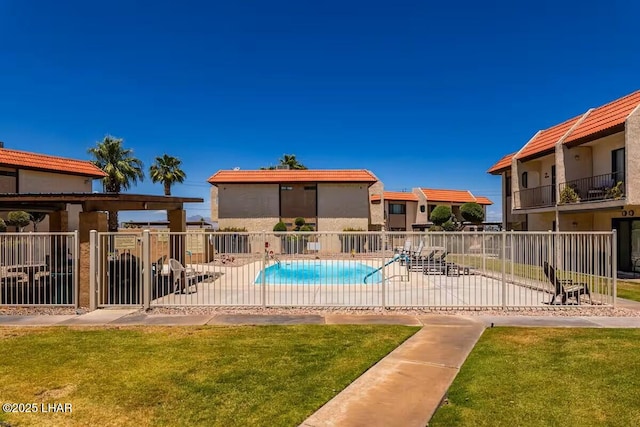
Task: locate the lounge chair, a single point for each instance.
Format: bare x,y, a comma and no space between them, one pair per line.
182,277
437,264
405,252
565,288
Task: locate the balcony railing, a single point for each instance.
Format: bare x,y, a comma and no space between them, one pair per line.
538,197
600,187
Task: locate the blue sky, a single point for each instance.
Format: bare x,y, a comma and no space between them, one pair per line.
421,93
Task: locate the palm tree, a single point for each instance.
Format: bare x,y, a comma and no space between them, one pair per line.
291,161
166,169
121,167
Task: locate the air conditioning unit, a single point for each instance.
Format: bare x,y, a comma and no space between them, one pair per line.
282,167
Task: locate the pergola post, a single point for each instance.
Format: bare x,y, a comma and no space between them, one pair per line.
58,223
177,224
88,221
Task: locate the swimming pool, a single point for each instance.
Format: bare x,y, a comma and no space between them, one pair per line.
314,272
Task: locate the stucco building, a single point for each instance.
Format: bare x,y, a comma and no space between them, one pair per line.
328,200
580,175
23,172
410,211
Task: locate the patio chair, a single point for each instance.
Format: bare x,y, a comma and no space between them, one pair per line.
565,288
182,277
437,263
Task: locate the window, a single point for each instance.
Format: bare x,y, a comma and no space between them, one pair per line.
524,181
396,208
286,188
422,208
617,165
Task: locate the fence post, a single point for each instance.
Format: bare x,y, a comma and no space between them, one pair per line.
614,264
263,272
484,252
76,268
504,269
146,270
511,258
383,299
93,259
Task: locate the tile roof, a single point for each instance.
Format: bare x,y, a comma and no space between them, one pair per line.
455,196
546,139
44,162
396,196
605,117
502,164
483,201
291,175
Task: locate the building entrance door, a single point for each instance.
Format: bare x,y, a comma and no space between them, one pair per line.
628,244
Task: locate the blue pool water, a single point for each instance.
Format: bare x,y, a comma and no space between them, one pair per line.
313,272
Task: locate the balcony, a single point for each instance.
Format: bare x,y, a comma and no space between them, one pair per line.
610,186
538,197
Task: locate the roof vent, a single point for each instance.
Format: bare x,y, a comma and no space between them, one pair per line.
237,168
279,167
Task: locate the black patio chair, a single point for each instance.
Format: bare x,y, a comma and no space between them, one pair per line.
565,288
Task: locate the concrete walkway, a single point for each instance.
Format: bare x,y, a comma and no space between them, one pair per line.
404,388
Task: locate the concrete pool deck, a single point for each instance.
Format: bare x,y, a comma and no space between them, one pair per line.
404,388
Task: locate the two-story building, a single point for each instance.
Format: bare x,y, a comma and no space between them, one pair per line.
24,172
328,200
411,211
579,175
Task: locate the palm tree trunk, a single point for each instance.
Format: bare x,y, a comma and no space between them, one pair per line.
167,189
113,221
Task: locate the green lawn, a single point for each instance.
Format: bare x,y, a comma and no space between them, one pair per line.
547,377
628,290
163,376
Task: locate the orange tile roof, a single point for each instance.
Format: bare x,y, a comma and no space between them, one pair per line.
285,175
546,140
455,196
396,196
483,201
605,117
502,164
44,162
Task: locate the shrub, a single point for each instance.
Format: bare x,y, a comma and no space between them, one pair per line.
440,215
569,195
18,219
299,222
281,226
232,230
449,226
615,192
306,228
350,229
472,212
3,226
435,228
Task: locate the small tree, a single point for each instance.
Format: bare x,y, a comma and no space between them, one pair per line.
440,215
472,212
19,219
299,222
37,218
281,226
